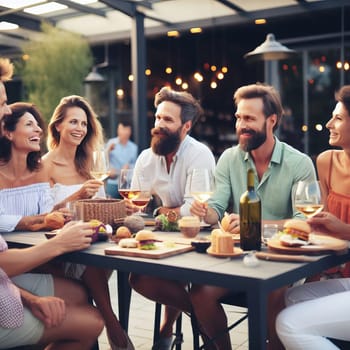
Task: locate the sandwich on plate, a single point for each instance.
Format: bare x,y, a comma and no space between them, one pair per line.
296,233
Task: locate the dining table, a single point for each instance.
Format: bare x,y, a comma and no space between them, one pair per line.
256,282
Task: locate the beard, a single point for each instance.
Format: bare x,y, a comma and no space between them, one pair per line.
257,139
164,141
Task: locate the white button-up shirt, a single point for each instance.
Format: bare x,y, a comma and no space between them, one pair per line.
173,187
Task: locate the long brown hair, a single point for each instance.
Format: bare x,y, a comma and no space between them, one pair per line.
9,123
94,136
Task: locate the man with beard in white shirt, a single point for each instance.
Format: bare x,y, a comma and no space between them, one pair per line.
167,167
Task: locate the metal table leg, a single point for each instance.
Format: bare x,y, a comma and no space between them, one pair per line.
124,296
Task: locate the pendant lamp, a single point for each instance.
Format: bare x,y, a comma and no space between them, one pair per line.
94,77
269,50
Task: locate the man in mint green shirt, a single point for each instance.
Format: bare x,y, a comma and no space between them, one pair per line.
277,167
286,167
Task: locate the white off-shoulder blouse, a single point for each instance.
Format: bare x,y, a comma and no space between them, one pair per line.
23,201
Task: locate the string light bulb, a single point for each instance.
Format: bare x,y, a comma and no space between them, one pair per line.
120,93
178,81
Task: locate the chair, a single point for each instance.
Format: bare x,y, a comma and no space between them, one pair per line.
236,299
178,328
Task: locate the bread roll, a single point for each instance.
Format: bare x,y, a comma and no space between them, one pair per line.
123,232
128,243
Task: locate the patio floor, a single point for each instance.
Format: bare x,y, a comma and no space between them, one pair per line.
142,318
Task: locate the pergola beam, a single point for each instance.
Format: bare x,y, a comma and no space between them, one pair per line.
82,8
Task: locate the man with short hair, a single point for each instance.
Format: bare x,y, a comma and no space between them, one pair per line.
277,168
167,166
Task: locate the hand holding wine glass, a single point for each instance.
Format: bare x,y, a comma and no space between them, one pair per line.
202,185
307,198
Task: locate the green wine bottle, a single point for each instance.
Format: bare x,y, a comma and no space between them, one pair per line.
250,216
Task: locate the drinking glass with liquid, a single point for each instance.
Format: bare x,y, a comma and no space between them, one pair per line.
307,198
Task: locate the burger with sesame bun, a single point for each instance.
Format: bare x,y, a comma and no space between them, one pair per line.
146,240
295,233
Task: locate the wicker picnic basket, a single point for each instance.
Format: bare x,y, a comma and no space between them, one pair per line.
105,210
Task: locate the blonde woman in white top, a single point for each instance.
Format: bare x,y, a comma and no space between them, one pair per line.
74,132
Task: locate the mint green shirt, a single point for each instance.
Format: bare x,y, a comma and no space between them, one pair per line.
286,168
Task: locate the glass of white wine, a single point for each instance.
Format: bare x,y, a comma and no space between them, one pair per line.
100,165
202,185
308,198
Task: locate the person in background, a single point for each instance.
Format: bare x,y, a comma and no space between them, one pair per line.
122,155
319,310
73,133
6,72
276,166
37,308
168,164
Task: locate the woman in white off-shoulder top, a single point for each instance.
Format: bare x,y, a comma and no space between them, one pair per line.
74,132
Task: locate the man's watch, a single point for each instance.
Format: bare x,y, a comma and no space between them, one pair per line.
172,216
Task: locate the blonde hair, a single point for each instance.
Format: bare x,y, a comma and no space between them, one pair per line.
6,69
94,136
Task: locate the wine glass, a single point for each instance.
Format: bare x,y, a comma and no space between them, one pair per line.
128,186
145,195
141,202
100,165
307,198
201,186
